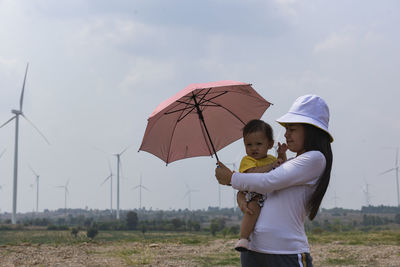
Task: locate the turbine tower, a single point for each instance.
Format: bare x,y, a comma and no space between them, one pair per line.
367,193
396,169
140,186
118,155
37,189
189,195
65,194
18,113
111,184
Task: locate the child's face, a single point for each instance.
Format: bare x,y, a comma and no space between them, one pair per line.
257,144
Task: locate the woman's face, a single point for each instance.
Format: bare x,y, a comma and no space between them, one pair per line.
295,137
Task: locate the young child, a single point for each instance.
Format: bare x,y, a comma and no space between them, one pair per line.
258,139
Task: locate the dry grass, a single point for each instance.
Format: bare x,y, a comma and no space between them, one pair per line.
194,250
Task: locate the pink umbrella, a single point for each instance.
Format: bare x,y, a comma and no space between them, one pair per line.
201,119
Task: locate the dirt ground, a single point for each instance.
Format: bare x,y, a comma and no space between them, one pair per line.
165,254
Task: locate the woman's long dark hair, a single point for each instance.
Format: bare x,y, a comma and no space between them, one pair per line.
319,140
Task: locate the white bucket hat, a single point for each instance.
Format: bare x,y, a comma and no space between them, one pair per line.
310,109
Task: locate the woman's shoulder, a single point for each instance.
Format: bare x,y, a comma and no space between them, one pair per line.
314,156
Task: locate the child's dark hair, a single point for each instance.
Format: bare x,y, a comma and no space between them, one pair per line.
257,126
318,140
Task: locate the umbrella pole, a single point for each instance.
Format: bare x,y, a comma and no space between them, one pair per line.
200,113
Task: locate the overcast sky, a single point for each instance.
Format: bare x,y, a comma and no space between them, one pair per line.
99,68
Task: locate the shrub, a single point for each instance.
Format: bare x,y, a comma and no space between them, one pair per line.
92,232
131,220
74,231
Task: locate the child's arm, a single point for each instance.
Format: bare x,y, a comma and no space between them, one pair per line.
282,148
265,168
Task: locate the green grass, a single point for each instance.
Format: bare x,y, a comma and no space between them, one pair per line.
386,237
15,237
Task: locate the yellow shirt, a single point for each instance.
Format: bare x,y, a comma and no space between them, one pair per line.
249,162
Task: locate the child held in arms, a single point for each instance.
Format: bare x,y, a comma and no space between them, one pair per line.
258,139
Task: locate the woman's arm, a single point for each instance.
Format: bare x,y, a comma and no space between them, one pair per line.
304,169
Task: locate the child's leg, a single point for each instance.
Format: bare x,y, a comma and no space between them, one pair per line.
249,220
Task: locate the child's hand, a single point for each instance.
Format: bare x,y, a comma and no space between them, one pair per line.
282,148
277,163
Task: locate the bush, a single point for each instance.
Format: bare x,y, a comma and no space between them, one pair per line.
74,231
92,232
143,228
131,220
57,227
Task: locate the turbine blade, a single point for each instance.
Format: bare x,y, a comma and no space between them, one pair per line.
2,153
36,128
33,170
123,151
145,188
133,188
13,117
21,100
397,157
105,180
387,171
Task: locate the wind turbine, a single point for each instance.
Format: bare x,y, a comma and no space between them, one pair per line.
367,194
111,184
37,189
118,155
396,169
189,195
65,192
18,113
140,186
335,198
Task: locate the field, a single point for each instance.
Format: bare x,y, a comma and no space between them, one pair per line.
132,248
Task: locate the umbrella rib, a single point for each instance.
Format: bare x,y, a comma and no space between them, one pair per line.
176,123
177,110
233,114
202,100
187,113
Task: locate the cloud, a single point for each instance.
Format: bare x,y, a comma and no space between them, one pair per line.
337,41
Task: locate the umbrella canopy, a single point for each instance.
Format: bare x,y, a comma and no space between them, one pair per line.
201,119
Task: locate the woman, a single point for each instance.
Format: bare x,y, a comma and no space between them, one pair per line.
294,189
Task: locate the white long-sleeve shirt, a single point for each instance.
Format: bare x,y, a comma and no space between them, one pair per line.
280,226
